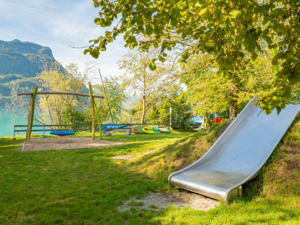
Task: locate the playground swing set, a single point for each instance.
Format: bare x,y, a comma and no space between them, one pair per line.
33,94
112,126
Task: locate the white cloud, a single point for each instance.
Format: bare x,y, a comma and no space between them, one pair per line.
57,24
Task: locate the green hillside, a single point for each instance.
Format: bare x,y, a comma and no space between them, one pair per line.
26,47
20,62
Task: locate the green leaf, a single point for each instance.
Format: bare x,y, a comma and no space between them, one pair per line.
139,8
221,33
148,15
101,38
268,40
149,30
234,14
108,33
161,59
94,54
152,65
250,45
139,21
261,9
278,110
86,51
254,56
216,13
202,11
210,44
173,22
266,19
259,48
240,38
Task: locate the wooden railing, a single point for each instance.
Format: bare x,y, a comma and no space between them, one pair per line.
75,127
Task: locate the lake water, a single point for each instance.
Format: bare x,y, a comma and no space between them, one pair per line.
8,119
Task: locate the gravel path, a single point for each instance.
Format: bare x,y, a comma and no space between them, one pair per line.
62,143
160,200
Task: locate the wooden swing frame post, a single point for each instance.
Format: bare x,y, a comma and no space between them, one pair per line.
99,122
94,112
31,113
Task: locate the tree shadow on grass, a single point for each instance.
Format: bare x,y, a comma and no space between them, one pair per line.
146,137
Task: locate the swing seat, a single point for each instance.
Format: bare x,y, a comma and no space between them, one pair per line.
62,132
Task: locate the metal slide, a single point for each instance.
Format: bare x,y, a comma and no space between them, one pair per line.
238,155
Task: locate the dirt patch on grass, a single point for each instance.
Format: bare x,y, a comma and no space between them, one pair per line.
158,200
62,143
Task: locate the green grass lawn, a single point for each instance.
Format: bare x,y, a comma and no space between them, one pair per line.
86,187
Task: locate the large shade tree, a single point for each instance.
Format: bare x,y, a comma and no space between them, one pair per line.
222,28
210,93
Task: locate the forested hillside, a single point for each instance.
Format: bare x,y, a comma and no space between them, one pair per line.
20,62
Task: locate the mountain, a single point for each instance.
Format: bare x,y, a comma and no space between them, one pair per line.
20,63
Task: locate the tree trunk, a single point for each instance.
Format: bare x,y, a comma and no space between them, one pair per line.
144,110
233,111
206,122
144,101
233,108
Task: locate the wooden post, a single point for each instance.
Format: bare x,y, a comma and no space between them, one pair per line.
93,110
29,117
31,113
99,122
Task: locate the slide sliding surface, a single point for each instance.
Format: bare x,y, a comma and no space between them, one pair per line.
238,155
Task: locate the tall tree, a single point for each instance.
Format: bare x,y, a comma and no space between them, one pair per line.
207,92
220,27
181,110
143,81
65,109
57,109
210,93
116,98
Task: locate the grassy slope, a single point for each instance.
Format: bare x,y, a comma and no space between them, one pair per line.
69,187
271,198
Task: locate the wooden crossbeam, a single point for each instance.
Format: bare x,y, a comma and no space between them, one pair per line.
60,93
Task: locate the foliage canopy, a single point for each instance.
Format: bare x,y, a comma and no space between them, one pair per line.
229,30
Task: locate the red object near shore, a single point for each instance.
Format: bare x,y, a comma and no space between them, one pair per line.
218,120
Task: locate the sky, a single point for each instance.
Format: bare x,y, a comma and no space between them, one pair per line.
58,24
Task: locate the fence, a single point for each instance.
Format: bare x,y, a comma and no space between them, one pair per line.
76,127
